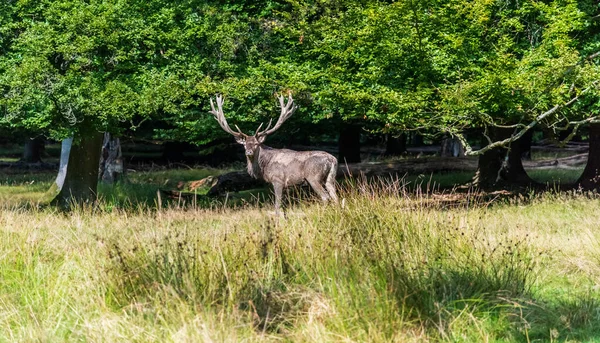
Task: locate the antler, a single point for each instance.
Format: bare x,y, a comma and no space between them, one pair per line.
286,112
220,117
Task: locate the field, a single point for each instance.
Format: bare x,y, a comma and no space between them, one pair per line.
395,263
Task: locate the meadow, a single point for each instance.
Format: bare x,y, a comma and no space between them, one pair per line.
395,264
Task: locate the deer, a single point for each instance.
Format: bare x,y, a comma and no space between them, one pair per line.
282,168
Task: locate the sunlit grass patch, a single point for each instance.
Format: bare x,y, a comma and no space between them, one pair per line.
25,188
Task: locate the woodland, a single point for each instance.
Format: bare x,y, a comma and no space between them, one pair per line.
467,134
482,74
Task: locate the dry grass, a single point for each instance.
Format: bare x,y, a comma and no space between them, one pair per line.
391,265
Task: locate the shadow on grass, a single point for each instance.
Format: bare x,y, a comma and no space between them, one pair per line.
152,196
559,320
511,315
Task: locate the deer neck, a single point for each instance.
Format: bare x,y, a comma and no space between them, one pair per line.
257,162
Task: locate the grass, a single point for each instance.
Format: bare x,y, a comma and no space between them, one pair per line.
140,189
556,176
24,188
393,265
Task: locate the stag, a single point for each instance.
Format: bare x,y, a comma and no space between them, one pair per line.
282,167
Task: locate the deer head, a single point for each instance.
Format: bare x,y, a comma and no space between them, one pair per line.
252,143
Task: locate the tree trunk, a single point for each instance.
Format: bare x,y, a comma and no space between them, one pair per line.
488,168
34,148
416,139
525,145
590,179
77,178
451,147
111,160
513,171
349,144
499,166
395,146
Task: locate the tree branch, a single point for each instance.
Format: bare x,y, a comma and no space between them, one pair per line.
492,145
594,55
576,125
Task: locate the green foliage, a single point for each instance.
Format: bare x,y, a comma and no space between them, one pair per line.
525,59
388,66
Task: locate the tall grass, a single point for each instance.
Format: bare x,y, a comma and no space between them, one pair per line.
391,264
381,263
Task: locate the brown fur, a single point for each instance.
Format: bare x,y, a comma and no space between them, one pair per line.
282,167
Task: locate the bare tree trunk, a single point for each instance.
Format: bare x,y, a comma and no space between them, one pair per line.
33,150
590,179
488,167
349,144
502,167
395,146
111,160
451,147
77,178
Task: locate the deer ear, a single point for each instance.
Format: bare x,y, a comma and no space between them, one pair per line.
261,139
240,139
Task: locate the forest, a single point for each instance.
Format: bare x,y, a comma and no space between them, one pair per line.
467,139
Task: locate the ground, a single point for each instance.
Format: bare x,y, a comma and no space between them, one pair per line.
396,263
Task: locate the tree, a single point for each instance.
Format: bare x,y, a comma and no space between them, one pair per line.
395,145
349,143
33,150
70,68
76,69
528,70
78,171
590,178
112,165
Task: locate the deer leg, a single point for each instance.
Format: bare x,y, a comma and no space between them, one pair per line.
330,182
331,190
316,185
278,189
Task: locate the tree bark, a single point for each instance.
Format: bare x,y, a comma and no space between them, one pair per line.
77,179
525,145
395,146
349,144
488,167
111,160
590,178
513,171
33,150
451,147
500,166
